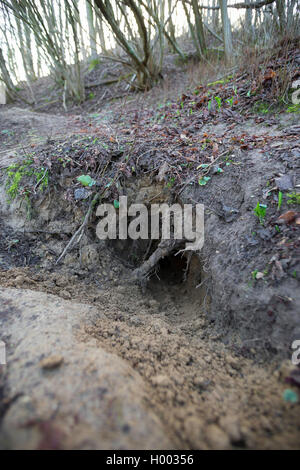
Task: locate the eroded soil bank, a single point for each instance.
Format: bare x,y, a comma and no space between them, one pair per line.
203,345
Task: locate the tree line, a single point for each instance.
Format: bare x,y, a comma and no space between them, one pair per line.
68,37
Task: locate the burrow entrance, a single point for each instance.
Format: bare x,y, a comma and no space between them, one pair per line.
176,279
176,276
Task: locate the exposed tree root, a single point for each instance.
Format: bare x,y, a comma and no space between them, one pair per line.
164,248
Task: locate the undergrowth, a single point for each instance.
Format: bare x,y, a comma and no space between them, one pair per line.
24,180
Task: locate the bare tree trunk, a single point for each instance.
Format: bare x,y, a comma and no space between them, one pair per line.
192,30
291,18
140,52
5,77
29,59
215,17
248,22
78,89
280,7
92,31
226,32
100,31
171,24
199,28
25,50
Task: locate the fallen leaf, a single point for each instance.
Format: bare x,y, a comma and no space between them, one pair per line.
259,275
162,172
287,218
215,149
86,180
269,75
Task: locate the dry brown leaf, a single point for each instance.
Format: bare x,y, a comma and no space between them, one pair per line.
215,149
287,217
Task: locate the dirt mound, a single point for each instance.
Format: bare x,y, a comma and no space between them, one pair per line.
62,390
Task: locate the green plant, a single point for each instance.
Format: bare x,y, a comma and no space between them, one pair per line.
261,107
13,184
293,198
7,132
171,182
93,64
294,108
15,174
260,212
280,195
203,180
230,101
86,180
15,177
221,82
218,101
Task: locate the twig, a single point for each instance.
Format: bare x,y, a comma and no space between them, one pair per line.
79,231
40,180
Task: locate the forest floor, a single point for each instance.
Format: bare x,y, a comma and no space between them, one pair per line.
199,356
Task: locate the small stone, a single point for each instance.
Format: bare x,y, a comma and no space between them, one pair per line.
153,303
194,426
264,233
229,213
51,362
216,438
161,381
20,280
61,281
284,183
233,362
81,193
179,379
65,294
231,426
90,256
285,370
201,382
